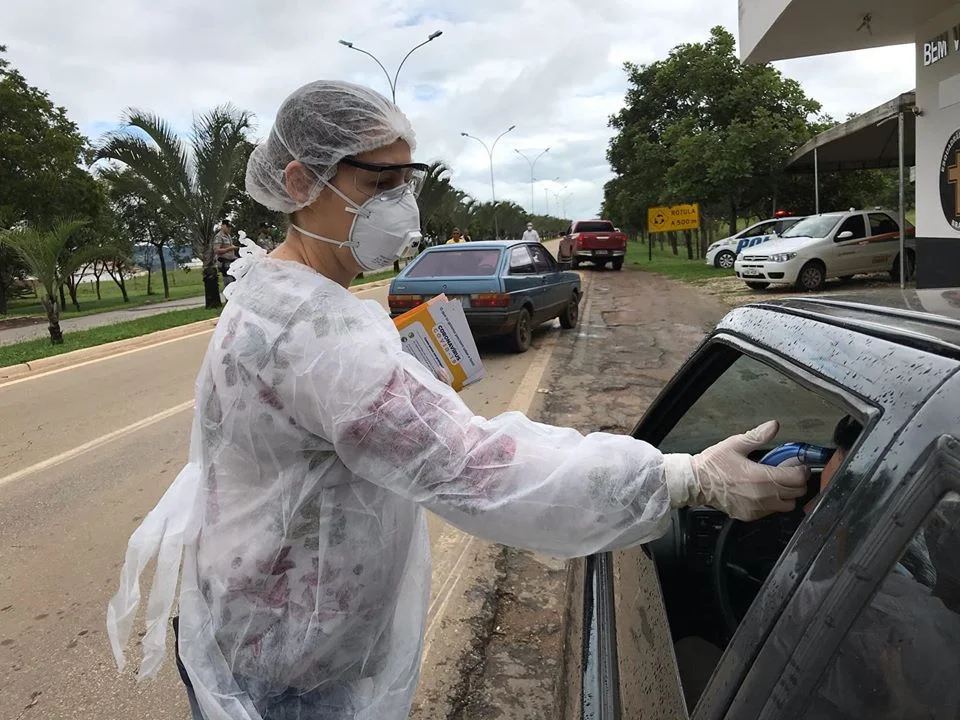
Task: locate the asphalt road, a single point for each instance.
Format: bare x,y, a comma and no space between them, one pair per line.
85,453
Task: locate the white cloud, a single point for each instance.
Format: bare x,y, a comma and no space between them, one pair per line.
552,67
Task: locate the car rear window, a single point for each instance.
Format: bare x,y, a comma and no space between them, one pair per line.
597,226
456,263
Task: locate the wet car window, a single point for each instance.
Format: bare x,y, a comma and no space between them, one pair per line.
901,657
747,394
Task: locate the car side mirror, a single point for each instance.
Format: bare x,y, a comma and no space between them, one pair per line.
845,235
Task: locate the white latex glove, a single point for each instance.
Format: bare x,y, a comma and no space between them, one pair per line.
723,477
444,375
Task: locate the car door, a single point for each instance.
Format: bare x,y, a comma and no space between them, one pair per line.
523,282
723,390
884,241
846,255
734,382
554,294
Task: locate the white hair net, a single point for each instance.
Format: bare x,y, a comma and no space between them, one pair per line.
320,124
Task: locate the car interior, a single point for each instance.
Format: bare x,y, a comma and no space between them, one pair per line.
711,567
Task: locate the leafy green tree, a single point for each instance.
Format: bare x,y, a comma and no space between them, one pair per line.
41,173
46,253
699,126
138,220
245,212
193,178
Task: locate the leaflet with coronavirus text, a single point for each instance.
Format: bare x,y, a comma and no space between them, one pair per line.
437,334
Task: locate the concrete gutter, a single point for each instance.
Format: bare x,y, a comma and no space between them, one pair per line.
98,352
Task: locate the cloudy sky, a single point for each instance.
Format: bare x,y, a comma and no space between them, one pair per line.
550,67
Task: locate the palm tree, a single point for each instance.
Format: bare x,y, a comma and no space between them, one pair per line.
45,253
192,178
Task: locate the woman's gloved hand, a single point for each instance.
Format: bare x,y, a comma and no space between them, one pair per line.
723,477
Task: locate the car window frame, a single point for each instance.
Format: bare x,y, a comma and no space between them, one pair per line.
440,249
767,227
889,218
513,271
550,263
715,357
864,222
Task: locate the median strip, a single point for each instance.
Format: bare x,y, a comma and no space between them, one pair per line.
31,356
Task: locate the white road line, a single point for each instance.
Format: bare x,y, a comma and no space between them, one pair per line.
151,346
95,443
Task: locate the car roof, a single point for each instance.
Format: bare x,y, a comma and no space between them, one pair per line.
927,320
481,245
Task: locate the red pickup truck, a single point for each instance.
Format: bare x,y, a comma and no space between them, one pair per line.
596,241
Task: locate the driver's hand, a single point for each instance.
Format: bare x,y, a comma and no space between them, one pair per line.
723,477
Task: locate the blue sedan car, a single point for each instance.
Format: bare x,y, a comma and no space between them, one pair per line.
507,288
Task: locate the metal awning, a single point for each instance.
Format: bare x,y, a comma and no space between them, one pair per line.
867,141
885,137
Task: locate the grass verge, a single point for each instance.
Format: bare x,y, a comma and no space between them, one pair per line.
666,263
373,277
183,284
22,352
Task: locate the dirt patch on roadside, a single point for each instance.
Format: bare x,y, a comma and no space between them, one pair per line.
732,291
636,330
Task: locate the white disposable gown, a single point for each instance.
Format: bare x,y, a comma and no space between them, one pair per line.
297,527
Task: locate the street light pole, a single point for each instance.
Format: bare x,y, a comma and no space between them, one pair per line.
392,82
532,163
493,189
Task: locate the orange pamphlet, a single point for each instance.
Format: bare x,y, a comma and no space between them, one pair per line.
437,334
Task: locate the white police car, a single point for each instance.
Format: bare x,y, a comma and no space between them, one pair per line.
723,253
830,245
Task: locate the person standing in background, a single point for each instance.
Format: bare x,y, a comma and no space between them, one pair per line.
531,235
225,248
265,238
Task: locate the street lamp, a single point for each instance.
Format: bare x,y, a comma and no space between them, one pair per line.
493,191
392,81
532,164
546,200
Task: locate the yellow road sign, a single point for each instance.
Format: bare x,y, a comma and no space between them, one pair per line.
675,217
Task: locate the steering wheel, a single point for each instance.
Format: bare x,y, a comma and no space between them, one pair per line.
745,553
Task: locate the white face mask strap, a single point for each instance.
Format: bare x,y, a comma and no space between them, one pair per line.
321,238
352,207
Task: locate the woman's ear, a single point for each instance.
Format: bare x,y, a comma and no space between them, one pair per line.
300,182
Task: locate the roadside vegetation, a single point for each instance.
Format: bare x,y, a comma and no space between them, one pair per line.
22,352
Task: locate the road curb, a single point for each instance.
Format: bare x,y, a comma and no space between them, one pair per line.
98,352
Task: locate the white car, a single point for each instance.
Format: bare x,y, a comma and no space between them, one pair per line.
831,245
723,253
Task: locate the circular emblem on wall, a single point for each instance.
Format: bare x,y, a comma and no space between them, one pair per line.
950,181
